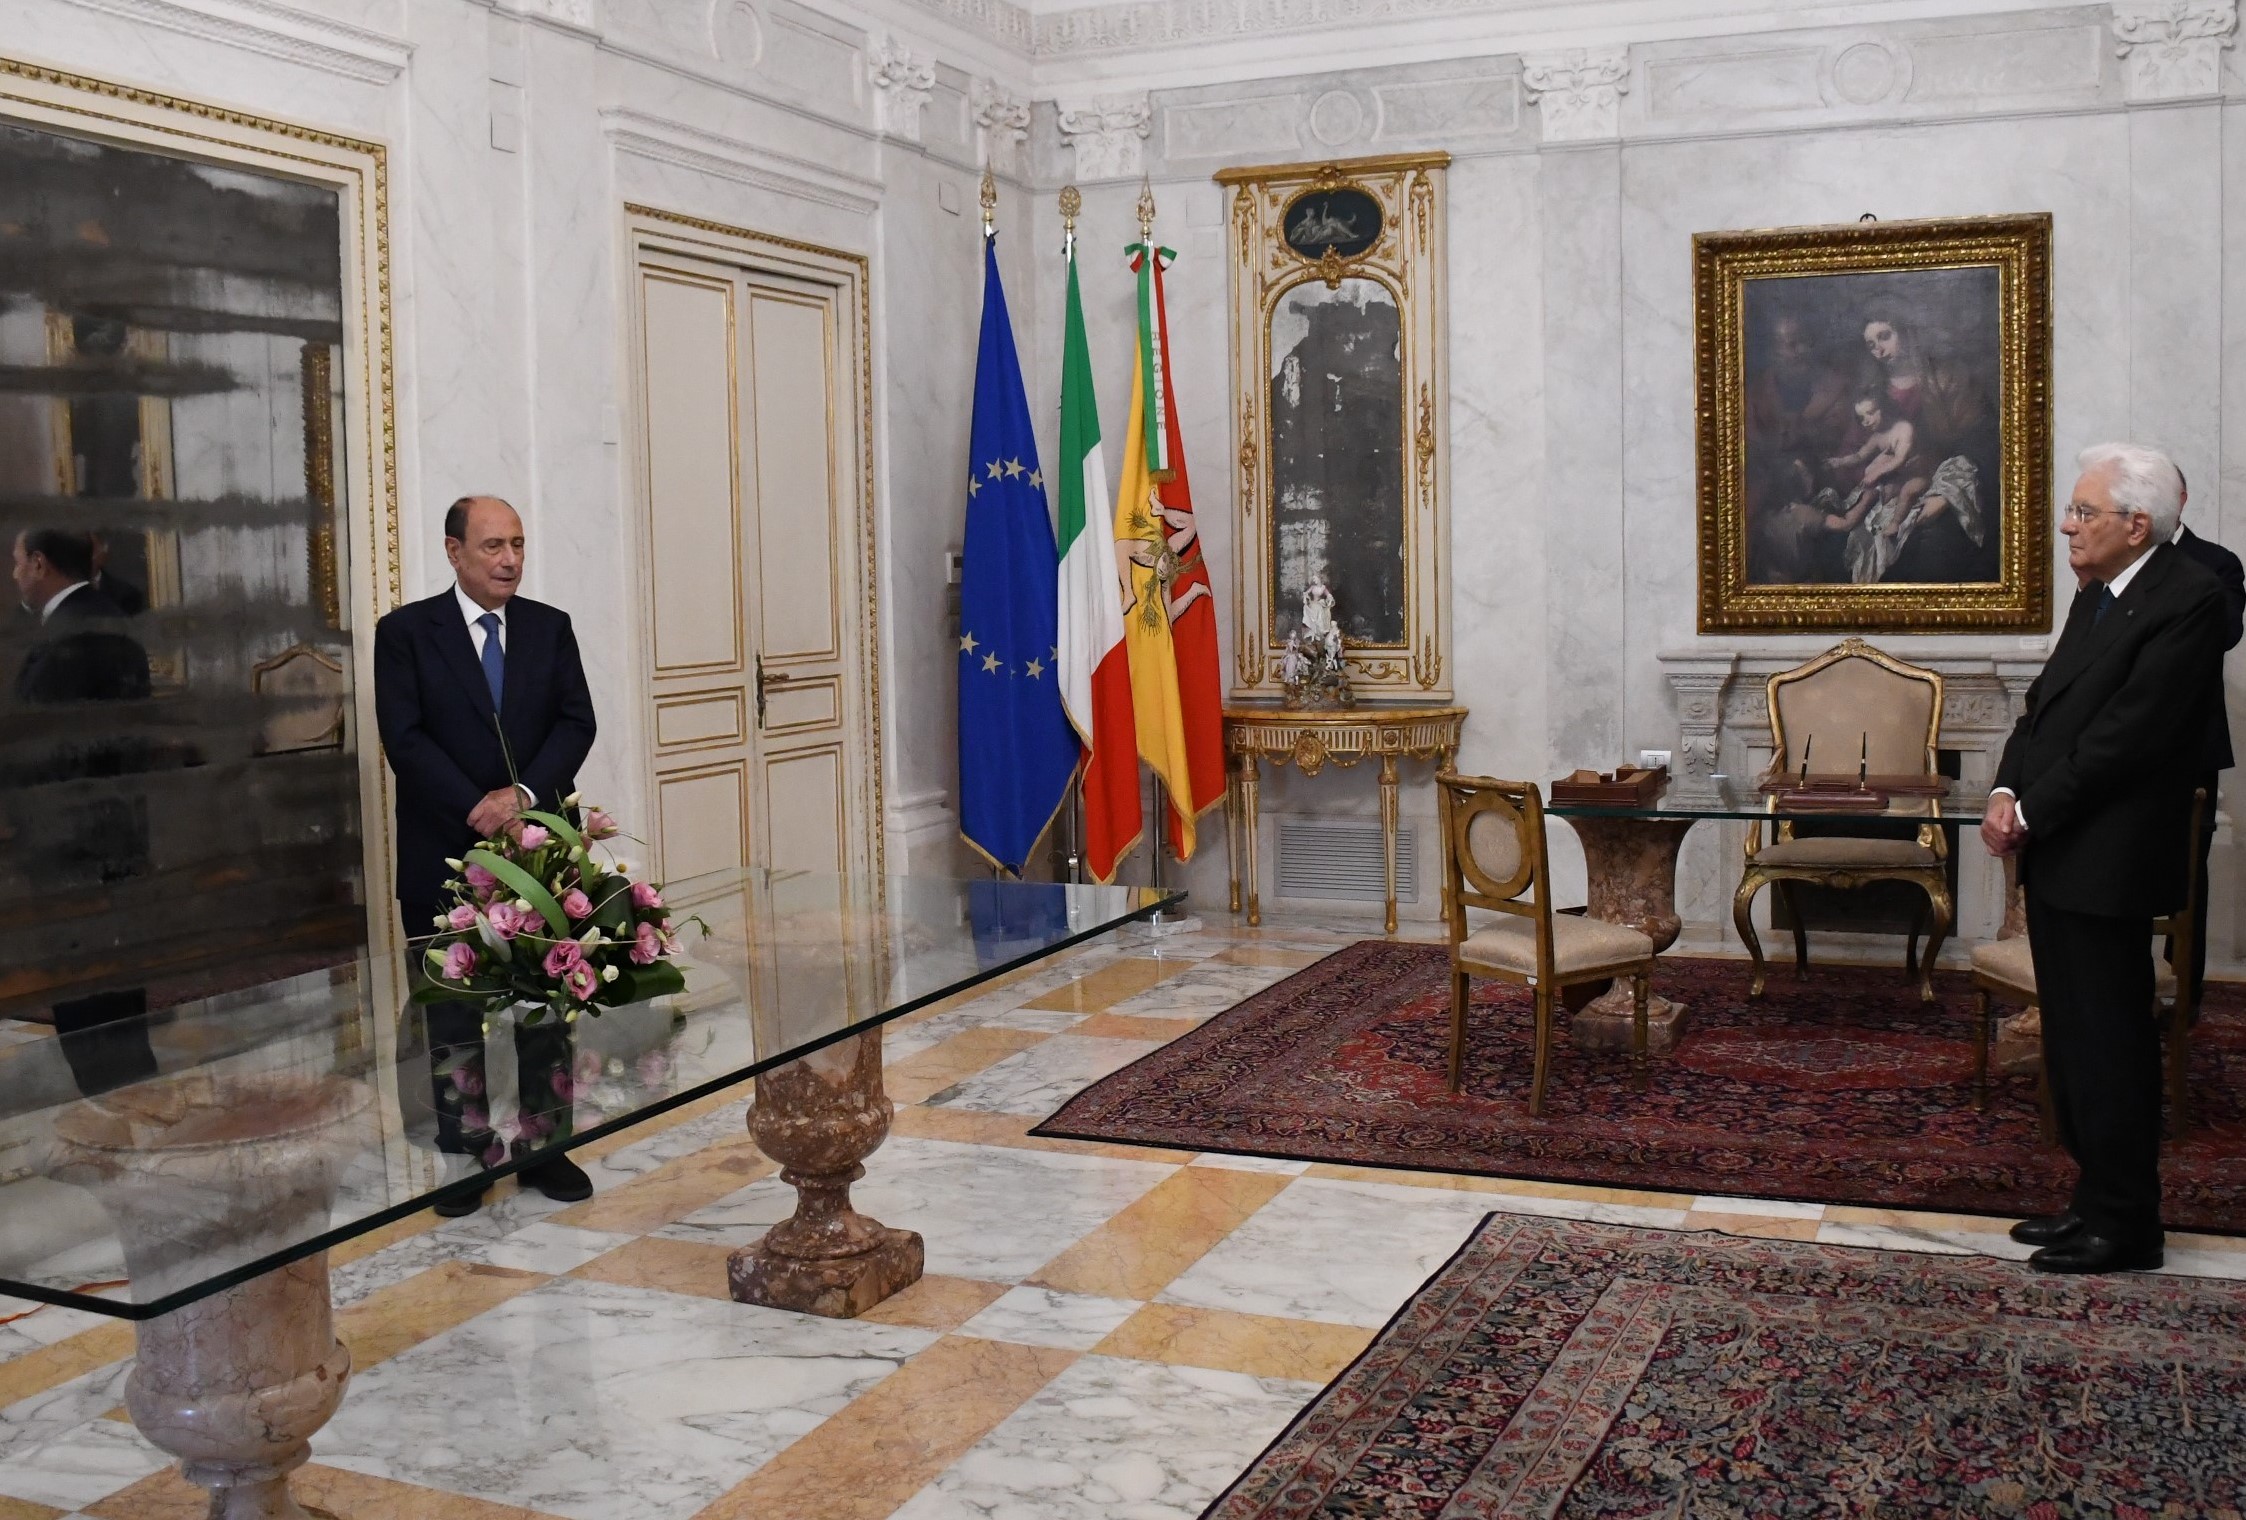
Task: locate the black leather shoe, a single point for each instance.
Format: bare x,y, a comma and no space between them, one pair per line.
2048,1229
560,1179
460,1205
2086,1253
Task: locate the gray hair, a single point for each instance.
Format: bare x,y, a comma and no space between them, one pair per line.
2144,480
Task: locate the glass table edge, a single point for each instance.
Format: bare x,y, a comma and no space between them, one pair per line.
327,1240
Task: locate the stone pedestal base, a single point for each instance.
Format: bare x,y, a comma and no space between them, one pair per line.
843,1288
1604,1025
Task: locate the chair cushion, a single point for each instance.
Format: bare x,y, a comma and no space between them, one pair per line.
1842,854
2010,962
1578,944
2007,961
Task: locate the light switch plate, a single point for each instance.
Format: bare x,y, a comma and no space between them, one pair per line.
1653,759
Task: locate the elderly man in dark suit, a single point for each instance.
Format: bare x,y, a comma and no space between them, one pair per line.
2093,794
2217,758
484,710
81,657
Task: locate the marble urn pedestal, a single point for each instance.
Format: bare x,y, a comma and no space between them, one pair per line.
202,1170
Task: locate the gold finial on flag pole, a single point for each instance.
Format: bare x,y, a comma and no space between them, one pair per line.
990,202
1072,202
1146,209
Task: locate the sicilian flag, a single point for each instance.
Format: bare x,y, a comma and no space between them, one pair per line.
1171,625
1094,667
1016,749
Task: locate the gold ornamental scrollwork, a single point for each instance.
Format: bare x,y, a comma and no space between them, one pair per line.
1428,669
1309,754
1425,439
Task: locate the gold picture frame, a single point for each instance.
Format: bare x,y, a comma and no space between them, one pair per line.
1873,410
1339,309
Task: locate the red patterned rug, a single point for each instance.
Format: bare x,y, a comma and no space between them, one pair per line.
1589,1372
1839,1088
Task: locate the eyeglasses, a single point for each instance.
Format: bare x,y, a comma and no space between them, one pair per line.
2076,512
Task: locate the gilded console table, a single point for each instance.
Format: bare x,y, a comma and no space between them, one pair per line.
1309,739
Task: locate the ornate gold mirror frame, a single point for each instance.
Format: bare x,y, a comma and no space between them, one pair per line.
1337,296
371,577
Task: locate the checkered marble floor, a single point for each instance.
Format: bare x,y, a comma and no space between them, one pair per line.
1104,1332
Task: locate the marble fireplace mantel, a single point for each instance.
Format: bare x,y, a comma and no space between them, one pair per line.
1723,717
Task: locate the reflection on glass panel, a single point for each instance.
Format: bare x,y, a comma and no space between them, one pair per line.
178,774
1337,460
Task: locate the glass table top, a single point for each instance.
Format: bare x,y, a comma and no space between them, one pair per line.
295,1115
1744,802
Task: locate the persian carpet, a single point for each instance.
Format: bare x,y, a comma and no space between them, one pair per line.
1841,1087
1560,1369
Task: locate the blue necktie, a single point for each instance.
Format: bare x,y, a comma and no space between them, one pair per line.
495,657
2103,606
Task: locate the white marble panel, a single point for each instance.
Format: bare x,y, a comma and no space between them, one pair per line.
1343,1252
985,1212
82,1466
1042,1317
1115,1440
1045,1076
599,1402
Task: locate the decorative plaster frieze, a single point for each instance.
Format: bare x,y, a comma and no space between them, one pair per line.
671,142
1109,135
273,31
1001,125
1578,92
903,81
576,14
2173,49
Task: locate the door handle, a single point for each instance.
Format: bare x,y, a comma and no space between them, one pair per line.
766,678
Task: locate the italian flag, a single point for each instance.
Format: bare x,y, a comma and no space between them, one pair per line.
1095,672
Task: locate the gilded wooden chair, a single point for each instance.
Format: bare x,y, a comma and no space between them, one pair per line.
1494,857
1852,706
2005,969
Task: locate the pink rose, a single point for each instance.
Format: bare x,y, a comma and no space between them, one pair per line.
670,940
479,878
598,825
505,922
532,836
582,981
467,1081
564,958
565,1088
644,895
647,946
495,1153
462,917
460,959
576,904
653,1068
588,1068
473,1118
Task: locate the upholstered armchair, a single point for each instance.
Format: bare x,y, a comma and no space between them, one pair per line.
1851,706
1494,857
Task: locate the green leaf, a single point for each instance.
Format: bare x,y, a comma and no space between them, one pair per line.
526,887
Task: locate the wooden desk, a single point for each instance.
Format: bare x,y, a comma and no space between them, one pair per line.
1308,738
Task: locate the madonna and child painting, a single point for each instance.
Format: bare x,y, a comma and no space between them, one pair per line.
1874,424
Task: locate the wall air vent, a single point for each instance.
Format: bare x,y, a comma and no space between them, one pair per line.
1340,859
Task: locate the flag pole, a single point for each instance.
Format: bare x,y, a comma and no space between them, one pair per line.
1072,201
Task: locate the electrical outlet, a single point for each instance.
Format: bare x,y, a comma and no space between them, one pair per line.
1653,759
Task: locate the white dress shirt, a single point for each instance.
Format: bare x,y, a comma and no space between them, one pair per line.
56,600
2114,588
476,634
470,611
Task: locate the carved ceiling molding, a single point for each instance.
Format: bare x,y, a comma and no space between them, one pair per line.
671,142
902,81
1109,134
1578,92
273,31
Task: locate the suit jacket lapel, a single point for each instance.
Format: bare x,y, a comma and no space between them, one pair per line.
459,649
2080,645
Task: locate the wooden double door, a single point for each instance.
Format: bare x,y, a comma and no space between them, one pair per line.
758,592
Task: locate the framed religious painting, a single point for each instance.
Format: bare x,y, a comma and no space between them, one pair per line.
1337,362
1874,414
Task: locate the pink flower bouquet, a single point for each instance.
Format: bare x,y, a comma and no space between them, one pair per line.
538,917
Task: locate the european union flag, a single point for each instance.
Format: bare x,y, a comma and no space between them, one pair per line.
1017,749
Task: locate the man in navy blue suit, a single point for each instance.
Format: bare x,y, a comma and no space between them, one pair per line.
484,711
2215,751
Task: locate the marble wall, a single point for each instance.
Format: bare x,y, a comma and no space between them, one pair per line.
519,128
